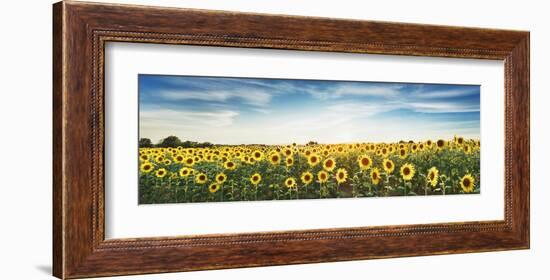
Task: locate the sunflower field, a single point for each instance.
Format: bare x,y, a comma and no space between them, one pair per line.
317,171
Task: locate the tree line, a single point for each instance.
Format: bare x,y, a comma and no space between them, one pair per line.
172,142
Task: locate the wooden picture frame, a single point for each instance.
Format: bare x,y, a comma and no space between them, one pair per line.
80,32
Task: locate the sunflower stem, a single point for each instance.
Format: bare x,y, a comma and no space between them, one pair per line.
426,189
185,191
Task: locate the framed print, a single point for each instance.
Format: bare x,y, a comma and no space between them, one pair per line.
186,139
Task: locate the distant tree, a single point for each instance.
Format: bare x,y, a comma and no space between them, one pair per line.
206,144
187,144
174,142
170,141
145,143
310,143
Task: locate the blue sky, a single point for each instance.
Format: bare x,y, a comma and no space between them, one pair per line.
225,110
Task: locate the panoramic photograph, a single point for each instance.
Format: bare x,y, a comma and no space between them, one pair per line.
224,139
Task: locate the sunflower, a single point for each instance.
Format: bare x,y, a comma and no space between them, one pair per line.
143,157
159,159
229,165
388,165
290,182
467,149
460,140
213,188
146,167
179,158
402,153
364,162
289,161
467,183
329,164
421,147
189,161
201,178
274,158
407,171
433,176
384,152
322,176
287,152
307,177
220,178
256,179
161,173
440,144
258,155
341,175
313,160
375,176
184,172
167,162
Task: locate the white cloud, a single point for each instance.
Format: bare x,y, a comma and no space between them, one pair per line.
444,94
250,97
442,107
335,125
355,90
362,109
365,109
189,118
159,123
261,110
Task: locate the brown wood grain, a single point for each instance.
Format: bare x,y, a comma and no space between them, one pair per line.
57,148
81,31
